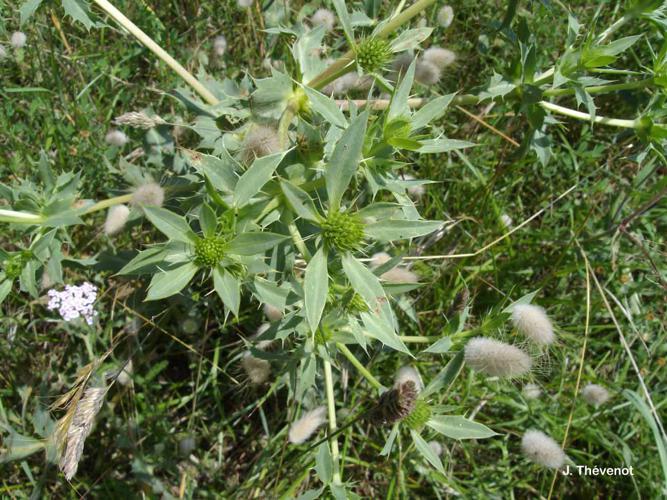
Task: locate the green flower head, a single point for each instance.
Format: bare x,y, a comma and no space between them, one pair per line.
343,231
418,417
209,251
373,54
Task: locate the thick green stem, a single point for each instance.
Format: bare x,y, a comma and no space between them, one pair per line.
20,217
344,63
331,406
360,368
603,89
148,42
602,120
110,202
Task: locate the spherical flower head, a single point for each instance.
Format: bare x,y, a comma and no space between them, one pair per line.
395,404
260,141
373,54
301,430
150,193
116,218
272,313
219,45
542,449
209,251
531,391
408,373
116,138
356,304
244,4
74,302
445,16
257,370
323,17
418,417
533,322
439,57
399,275
343,231
495,358
298,102
18,39
380,258
595,394
427,73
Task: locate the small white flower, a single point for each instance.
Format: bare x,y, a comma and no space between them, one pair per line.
219,45
257,370
439,57
244,4
506,221
415,191
399,275
116,219
272,313
427,73
542,449
533,322
150,193
74,302
301,430
595,394
18,39
436,447
116,138
379,258
445,16
323,17
408,373
531,391
495,358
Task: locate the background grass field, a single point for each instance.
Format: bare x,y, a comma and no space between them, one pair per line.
59,95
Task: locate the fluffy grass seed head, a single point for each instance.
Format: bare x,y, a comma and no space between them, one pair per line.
445,16
399,275
531,391
260,141
436,447
116,138
124,377
219,45
3,52
439,57
244,4
373,54
380,258
209,251
150,193
272,313
427,73
138,119
257,370
80,427
302,429
495,358
18,40
542,449
595,394
533,322
408,373
324,17
116,219
342,231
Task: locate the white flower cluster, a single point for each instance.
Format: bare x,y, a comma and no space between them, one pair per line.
74,302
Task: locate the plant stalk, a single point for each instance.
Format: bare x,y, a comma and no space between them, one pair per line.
360,367
110,202
602,120
148,42
331,406
20,217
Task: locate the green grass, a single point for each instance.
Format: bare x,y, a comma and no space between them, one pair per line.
187,381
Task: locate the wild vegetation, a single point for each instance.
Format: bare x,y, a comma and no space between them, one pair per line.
278,249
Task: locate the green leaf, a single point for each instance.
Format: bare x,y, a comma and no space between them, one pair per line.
300,201
324,464
498,87
173,226
168,283
78,10
326,108
18,446
344,160
207,220
458,427
228,288
399,101
398,229
220,171
144,261
270,98
603,55
345,20
364,282
446,377
253,179
378,328
410,39
431,111
27,9
5,288
316,288
442,345
254,243
305,51
443,145
426,451
389,444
